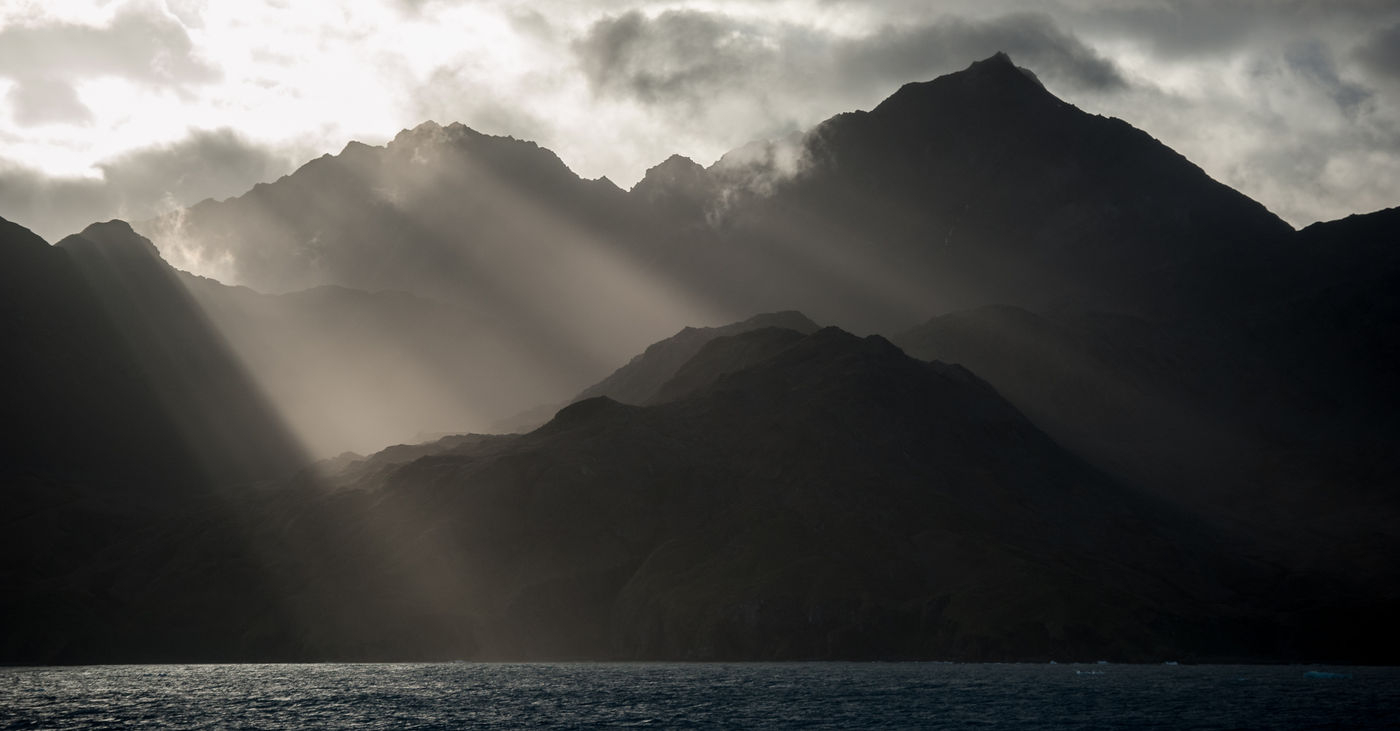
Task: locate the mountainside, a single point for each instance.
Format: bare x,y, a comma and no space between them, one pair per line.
334,369
834,500
128,425
354,370
979,187
642,378
1143,419
76,396
640,381
944,196
827,496
494,225
199,380
1264,405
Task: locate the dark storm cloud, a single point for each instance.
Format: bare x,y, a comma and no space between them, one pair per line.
1380,54
690,56
679,54
137,185
46,61
1198,28
1313,61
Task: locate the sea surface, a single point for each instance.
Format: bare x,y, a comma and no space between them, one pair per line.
699,695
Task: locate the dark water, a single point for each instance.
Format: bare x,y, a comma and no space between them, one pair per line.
584,695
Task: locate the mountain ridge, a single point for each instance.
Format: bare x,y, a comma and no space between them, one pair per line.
1147,419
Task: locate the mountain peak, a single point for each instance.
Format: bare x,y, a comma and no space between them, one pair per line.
675,174
114,237
1001,63
431,132
114,227
994,80
787,319
1000,59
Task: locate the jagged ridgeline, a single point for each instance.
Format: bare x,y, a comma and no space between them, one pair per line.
1122,412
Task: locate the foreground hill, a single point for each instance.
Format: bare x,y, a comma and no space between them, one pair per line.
76,396
199,380
1281,414
796,496
836,499
642,379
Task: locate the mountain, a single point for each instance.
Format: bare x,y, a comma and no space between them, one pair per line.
199,381
724,355
355,370
976,188
1145,419
129,425
836,499
642,378
346,369
495,225
1260,405
77,399
1275,421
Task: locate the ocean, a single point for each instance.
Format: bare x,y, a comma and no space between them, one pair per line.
698,695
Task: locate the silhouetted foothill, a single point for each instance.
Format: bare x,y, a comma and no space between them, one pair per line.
639,381
830,498
199,382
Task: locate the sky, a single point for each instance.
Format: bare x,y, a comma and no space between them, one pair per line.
129,108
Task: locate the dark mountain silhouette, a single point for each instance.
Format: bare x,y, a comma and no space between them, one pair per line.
1214,479
1302,378
77,400
724,355
1276,420
976,188
129,425
496,225
642,378
640,381
199,381
836,499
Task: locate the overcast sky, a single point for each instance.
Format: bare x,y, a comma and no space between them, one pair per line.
125,109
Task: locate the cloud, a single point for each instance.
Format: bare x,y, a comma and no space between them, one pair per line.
1313,61
678,55
1380,54
47,61
139,184
41,100
689,57
1220,29
727,79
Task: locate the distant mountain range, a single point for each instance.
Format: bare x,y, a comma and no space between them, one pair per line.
1122,412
